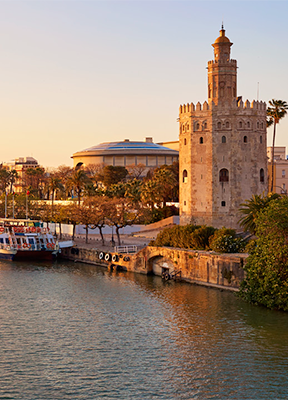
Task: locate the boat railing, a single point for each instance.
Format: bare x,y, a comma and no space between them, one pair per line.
5,246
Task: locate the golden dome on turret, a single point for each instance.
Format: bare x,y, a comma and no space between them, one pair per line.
222,38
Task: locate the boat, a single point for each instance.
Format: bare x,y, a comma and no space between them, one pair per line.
23,239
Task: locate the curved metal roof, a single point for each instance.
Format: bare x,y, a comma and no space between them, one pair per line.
125,146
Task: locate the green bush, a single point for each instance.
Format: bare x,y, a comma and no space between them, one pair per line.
186,237
225,241
266,280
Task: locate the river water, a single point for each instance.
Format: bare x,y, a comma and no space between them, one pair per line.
75,331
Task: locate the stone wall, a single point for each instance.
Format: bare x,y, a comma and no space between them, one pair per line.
205,268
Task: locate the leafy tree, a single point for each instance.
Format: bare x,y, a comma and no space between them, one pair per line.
276,111
34,180
120,213
111,175
252,207
266,268
136,171
63,172
4,179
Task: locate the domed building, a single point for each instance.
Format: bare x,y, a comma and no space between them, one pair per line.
126,153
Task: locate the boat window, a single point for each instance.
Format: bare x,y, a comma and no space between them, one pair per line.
31,241
7,240
1,240
18,241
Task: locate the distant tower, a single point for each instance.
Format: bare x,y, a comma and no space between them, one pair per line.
223,156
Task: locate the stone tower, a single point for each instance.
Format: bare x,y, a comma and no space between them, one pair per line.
222,156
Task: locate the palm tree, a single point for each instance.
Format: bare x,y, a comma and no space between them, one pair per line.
78,181
277,111
251,208
54,184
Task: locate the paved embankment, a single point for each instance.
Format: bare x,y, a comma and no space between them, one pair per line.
223,271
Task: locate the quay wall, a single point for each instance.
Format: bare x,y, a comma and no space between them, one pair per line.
224,271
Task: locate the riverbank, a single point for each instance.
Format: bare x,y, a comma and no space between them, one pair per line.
223,271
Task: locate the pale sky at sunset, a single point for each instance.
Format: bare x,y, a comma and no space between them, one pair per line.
78,73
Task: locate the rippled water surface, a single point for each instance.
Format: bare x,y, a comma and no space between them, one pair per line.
74,331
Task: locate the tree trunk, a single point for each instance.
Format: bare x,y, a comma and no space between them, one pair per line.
118,235
101,234
60,230
86,230
272,162
73,233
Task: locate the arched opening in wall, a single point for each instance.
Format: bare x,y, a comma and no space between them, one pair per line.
223,175
185,176
257,125
262,175
240,124
223,203
197,126
201,141
245,139
227,124
204,126
262,125
187,127
219,125
260,139
248,124
223,139
185,141
79,165
183,128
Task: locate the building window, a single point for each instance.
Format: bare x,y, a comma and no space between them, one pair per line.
240,124
223,203
257,125
262,175
185,176
260,139
248,124
205,125
197,126
188,127
283,173
219,125
224,175
183,128
227,124
201,140
262,125
185,141
223,139
184,202
245,139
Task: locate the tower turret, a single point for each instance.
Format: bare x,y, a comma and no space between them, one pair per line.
222,72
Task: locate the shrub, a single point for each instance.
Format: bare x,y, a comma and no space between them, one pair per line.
225,241
186,237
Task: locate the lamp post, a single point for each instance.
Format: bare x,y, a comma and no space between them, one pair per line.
112,239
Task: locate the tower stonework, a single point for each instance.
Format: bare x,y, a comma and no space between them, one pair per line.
222,147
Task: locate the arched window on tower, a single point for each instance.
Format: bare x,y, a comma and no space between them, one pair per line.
185,176
248,124
257,125
201,140
219,125
260,139
227,124
223,139
197,126
245,139
240,124
185,141
223,175
262,175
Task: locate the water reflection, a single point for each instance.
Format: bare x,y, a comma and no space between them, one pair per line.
79,331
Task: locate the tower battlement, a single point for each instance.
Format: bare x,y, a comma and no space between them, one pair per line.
230,62
190,108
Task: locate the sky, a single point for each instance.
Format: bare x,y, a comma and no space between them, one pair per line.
78,73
